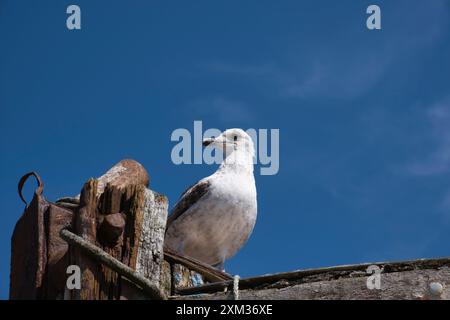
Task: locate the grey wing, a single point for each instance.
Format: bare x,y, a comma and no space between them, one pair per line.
187,199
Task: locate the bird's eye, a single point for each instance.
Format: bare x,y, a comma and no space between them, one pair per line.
235,138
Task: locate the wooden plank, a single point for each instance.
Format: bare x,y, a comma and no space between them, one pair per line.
166,278
399,280
394,286
311,275
109,204
150,254
85,226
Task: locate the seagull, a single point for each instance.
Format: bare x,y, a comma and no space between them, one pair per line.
214,218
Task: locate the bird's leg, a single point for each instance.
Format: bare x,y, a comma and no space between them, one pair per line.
180,248
220,266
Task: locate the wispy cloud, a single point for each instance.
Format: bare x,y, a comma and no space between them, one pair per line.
224,110
445,206
438,161
446,202
346,70
313,77
349,78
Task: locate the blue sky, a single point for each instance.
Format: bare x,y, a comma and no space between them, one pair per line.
364,116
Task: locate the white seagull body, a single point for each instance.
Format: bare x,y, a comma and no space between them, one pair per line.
215,217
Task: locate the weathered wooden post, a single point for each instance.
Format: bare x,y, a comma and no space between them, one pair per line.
128,224
117,219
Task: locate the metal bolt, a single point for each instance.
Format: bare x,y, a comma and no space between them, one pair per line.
111,228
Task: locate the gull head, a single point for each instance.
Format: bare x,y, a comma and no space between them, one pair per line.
232,141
